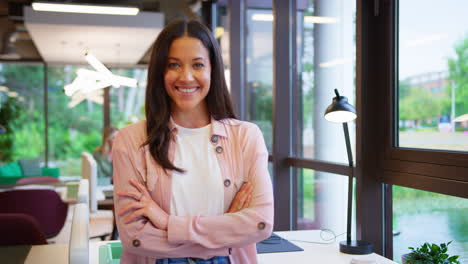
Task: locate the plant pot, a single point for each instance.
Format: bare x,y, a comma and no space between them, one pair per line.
404,258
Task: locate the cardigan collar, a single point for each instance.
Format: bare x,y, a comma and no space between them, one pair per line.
217,127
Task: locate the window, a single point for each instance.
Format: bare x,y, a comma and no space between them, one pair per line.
433,82
405,73
326,58
259,67
322,201
127,104
22,112
420,216
72,129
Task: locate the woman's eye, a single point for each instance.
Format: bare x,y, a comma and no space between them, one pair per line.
198,66
172,65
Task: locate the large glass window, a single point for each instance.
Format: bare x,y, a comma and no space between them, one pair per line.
420,216
322,201
222,35
127,104
21,112
326,61
433,75
259,67
73,129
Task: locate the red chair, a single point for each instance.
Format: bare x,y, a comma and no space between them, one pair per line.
38,179
20,229
45,206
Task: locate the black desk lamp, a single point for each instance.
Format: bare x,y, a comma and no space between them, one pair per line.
340,111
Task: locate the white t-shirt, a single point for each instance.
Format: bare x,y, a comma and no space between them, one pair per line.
200,190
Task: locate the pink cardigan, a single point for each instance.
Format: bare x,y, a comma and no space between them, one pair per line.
242,156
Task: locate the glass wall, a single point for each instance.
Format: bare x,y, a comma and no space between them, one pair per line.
420,216
222,35
22,126
433,75
318,208
326,33
326,61
259,67
73,128
127,104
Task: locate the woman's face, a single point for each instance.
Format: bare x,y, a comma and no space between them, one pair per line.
187,76
111,138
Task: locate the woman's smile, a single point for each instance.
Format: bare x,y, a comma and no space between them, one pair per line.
187,89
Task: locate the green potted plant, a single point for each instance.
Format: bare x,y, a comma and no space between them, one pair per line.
430,254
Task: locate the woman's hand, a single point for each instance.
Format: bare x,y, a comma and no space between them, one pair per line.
242,199
142,206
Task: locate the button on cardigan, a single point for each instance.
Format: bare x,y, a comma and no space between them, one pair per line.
244,157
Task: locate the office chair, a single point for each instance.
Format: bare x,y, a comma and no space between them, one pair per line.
20,229
45,206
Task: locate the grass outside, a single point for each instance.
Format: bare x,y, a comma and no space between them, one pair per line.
309,194
454,141
407,201
404,200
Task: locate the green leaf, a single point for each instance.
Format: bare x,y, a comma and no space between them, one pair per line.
435,248
431,254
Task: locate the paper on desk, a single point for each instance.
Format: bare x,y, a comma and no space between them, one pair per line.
364,259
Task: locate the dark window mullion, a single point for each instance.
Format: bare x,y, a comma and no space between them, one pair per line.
237,56
284,13
335,168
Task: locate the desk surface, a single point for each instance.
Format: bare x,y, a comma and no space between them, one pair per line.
40,254
48,254
319,253
68,191
316,253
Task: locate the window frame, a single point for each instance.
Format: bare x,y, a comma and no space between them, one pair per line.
380,163
438,171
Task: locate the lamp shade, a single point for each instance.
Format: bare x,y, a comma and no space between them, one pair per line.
340,111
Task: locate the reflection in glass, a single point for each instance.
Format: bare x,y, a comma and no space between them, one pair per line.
326,61
420,216
322,201
260,70
433,75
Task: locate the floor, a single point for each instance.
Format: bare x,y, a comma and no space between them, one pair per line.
100,223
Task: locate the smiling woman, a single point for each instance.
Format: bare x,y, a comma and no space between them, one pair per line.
187,81
192,181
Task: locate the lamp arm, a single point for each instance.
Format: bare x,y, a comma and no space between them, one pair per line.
350,183
348,144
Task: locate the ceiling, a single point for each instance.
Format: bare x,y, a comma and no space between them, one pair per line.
114,40
57,40
27,35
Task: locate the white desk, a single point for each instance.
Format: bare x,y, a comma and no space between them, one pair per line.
313,253
44,254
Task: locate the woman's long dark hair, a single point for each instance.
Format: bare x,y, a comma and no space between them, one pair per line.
158,102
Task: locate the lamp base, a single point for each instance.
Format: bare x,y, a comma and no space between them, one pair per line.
356,247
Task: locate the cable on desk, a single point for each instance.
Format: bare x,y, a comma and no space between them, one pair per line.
322,232
275,239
